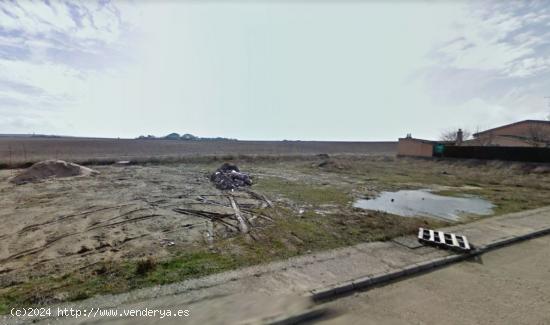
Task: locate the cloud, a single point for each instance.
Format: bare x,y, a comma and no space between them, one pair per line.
20,87
54,31
511,40
363,70
492,61
84,23
48,49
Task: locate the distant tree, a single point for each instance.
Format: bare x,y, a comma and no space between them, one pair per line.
185,137
172,136
450,135
188,137
148,137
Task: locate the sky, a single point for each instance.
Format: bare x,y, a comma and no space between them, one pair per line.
272,70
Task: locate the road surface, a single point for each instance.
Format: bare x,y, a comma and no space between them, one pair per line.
510,285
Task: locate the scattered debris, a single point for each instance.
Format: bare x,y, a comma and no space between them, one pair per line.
123,163
243,224
259,196
239,217
208,235
167,242
83,249
229,177
51,169
202,213
443,239
330,163
208,215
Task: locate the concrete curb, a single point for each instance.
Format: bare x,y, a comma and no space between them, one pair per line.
514,239
369,281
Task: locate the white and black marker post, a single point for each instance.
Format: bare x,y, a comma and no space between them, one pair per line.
443,239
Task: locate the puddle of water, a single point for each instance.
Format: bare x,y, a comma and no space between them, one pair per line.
409,203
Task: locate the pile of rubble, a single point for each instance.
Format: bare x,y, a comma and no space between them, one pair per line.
229,177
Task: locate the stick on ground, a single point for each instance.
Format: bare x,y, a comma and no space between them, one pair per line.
242,221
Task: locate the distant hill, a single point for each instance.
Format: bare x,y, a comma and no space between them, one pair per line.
184,137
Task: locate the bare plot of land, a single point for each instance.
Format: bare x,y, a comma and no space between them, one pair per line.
123,213
70,238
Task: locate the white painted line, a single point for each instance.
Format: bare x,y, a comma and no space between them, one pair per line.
455,241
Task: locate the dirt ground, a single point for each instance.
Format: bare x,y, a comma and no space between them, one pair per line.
123,213
506,286
68,239
17,151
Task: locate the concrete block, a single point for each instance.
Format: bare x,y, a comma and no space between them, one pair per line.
363,282
332,291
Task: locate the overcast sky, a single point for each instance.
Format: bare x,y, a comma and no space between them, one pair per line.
310,70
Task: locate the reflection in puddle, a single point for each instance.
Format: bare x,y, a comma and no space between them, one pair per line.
410,203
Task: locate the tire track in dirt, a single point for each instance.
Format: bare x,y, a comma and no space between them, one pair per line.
49,243
62,218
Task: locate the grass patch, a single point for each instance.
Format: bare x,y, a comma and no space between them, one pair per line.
301,192
112,278
507,185
293,235
187,266
506,199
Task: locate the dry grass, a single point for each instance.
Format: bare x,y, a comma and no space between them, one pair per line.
21,151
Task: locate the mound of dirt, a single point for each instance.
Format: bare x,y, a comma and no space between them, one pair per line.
51,168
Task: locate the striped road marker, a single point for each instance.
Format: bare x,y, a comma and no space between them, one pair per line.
443,239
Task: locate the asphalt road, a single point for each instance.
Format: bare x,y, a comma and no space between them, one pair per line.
510,285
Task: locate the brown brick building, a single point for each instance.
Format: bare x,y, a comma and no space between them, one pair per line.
528,133
415,147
